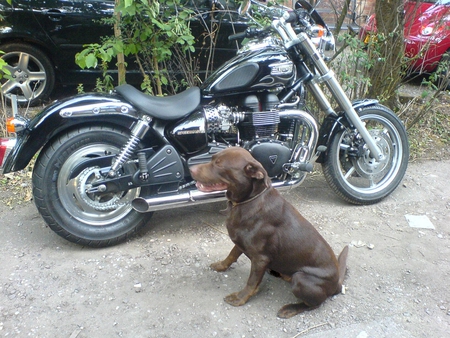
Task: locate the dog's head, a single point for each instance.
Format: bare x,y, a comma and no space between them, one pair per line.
235,170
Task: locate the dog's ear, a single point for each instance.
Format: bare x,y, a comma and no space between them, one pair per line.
255,170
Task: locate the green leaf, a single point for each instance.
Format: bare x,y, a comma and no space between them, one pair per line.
91,61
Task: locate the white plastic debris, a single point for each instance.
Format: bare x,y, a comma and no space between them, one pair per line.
361,244
419,221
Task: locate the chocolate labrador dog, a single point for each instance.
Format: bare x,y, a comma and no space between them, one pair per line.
271,232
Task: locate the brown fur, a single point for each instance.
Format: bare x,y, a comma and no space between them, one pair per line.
271,233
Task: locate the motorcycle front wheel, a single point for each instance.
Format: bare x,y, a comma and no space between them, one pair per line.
93,219
350,170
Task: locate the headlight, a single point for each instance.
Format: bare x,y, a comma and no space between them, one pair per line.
432,29
323,40
428,30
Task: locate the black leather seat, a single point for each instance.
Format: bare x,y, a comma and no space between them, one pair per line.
165,108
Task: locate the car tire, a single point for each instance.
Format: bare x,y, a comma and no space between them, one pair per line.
32,76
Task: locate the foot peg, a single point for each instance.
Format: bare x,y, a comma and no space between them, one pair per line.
305,166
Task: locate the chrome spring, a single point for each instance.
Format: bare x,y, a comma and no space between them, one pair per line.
125,154
138,131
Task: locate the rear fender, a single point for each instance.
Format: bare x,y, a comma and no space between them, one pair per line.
332,124
77,111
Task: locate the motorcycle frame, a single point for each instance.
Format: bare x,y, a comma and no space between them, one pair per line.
99,108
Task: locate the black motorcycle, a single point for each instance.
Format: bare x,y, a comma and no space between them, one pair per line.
106,162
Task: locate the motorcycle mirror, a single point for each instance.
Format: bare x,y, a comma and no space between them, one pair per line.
244,7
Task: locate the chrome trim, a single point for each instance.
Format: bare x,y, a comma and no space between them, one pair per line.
104,108
324,78
258,44
314,128
171,201
281,68
289,104
20,123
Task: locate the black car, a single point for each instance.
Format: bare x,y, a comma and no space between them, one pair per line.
40,38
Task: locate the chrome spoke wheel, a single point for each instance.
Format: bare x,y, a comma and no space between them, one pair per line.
94,208
353,173
74,205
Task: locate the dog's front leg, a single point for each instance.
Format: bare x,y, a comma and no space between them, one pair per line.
226,263
258,269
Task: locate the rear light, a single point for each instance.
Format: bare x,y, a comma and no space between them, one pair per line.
6,145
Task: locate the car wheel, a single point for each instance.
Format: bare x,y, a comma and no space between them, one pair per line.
32,76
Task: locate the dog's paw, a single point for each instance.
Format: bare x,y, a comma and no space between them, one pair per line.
219,266
235,300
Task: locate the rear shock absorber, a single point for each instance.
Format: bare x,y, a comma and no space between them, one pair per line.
138,131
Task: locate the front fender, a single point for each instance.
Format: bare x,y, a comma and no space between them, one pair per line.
334,123
80,110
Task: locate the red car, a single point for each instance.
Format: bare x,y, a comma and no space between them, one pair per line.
427,33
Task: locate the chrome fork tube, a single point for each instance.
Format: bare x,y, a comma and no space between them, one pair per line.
327,76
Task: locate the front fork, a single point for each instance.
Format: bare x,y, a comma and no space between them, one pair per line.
328,77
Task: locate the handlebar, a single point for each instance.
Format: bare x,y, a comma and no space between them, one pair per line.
290,16
290,25
238,36
250,32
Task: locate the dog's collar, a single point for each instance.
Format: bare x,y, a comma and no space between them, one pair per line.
235,204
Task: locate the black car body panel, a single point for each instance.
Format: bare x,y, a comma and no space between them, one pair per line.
60,28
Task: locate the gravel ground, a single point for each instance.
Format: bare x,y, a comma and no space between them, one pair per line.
159,284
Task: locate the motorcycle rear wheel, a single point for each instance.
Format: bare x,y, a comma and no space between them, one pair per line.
96,220
352,173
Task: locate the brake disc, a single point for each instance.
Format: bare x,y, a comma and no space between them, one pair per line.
370,168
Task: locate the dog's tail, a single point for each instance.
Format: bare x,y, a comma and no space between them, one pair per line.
342,261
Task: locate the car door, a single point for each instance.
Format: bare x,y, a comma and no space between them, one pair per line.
20,19
70,24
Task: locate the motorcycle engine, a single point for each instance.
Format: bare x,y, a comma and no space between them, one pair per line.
254,124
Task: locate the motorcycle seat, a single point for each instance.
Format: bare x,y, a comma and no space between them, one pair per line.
165,108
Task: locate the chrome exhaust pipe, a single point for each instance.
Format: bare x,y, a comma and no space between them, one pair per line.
171,201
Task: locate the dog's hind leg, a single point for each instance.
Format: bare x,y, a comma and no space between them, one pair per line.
276,274
309,289
290,310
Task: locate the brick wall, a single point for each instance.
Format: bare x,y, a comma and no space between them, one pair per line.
356,14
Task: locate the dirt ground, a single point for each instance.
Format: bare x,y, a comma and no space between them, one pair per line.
159,284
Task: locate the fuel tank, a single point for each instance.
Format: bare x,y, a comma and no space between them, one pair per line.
260,65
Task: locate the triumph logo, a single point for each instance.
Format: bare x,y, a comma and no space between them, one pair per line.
273,158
